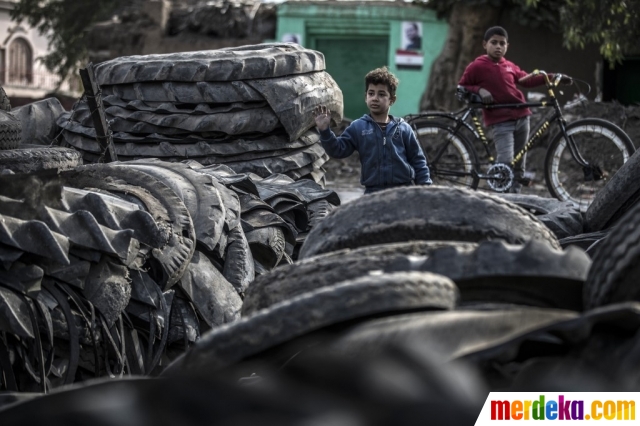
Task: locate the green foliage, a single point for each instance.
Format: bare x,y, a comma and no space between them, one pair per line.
612,24
533,13
64,23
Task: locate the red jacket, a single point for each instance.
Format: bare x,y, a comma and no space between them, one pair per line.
500,79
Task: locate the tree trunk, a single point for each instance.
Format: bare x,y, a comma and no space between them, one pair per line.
467,25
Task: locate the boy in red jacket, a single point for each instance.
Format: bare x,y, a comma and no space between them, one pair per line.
494,78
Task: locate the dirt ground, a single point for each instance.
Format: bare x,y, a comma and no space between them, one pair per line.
343,175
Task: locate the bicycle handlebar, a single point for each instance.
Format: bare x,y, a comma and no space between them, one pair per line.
529,76
557,78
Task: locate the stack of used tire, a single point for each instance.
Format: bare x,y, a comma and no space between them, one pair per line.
116,268
250,108
276,213
115,278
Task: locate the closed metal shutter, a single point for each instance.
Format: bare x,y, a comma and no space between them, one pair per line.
348,60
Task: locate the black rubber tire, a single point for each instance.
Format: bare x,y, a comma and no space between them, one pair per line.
5,104
33,158
220,92
158,199
561,217
238,268
214,298
196,190
227,64
424,213
267,245
620,194
585,241
318,210
487,272
347,301
559,162
116,214
536,204
238,123
108,288
615,271
38,121
456,332
459,155
10,131
289,281
533,274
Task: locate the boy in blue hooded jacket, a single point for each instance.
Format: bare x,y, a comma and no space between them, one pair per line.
390,154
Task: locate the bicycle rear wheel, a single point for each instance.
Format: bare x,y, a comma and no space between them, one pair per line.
451,157
601,143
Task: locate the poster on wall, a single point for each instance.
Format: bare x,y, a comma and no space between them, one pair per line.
412,35
292,38
410,56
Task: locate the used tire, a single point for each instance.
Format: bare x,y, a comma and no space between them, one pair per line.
215,299
619,195
347,301
158,199
33,158
38,120
228,64
561,217
615,270
10,131
196,190
453,334
534,274
289,281
536,204
424,213
5,105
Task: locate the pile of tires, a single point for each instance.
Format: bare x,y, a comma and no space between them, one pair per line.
425,294
93,284
478,280
249,108
436,256
118,268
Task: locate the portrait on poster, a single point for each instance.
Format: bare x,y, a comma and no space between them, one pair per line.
412,35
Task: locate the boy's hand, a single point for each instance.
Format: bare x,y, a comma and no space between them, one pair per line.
322,117
486,96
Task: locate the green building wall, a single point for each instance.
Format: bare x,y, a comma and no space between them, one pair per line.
356,36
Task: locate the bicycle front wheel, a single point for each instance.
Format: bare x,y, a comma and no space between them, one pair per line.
451,157
601,143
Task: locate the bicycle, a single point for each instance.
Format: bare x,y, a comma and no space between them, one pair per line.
581,157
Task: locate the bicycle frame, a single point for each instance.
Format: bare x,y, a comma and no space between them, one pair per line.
461,119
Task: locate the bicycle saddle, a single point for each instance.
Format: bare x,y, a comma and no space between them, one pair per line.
466,96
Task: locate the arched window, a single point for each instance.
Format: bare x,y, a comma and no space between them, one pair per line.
20,62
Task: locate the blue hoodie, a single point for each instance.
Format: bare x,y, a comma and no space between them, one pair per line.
392,158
